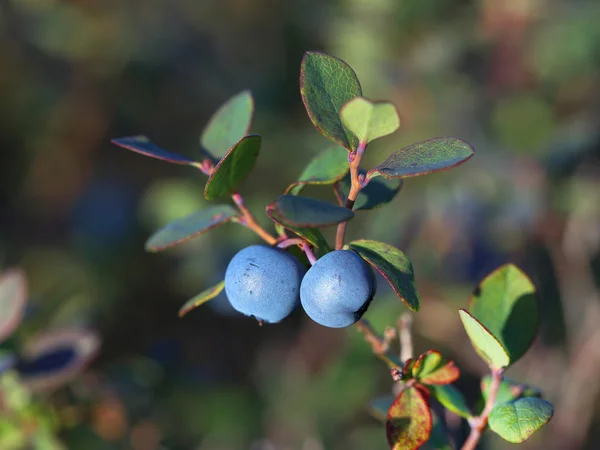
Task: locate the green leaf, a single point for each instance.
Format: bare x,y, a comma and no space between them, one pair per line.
376,193
190,226
201,298
451,398
326,84
306,212
379,407
395,267
328,167
433,368
229,124
311,235
369,120
409,421
484,342
504,302
424,157
233,168
77,348
509,390
516,421
13,297
143,145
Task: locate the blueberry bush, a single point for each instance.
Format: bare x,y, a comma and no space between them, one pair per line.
335,282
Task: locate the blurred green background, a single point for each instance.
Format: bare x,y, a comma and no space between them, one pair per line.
518,79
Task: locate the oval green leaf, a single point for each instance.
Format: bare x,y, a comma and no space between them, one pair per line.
326,84
424,157
13,297
379,407
484,342
395,267
509,390
54,358
376,193
231,171
201,298
306,212
190,226
369,120
451,398
433,368
516,421
505,303
328,167
230,123
409,420
144,146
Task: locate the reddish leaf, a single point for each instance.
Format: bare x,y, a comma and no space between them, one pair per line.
408,369
409,420
433,368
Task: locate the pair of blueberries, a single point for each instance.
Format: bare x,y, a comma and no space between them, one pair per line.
268,283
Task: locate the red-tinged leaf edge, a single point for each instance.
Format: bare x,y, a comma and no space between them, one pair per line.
152,150
447,371
409,420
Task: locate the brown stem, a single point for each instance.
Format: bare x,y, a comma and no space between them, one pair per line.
250,222
405,335
380,345
479,423
355,186
337,190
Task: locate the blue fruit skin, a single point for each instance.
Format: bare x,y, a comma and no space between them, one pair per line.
264,282
337,289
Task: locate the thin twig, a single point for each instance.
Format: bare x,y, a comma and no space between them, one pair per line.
250,222
339,195
405,336
289,242
479,423
380,345
354,159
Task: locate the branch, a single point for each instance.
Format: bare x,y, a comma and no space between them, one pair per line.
354,159
479,423
380,345
250,222
405,336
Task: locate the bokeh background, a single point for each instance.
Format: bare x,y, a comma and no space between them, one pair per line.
519,79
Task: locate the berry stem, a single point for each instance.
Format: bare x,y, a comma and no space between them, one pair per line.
250,222
354,159
479,423
312,259
289,242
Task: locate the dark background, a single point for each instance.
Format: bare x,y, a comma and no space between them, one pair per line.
518,79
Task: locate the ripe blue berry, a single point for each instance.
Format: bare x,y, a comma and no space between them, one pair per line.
264,282
337,289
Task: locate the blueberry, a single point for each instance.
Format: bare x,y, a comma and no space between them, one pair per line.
337,289
264,282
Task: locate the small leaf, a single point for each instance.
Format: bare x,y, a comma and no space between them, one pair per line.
52,359
516,421
190,226
307,212
451,398
433,368
326,84
409,421
13,297
509,390
504,302
369,120
311,235
484,342
229,124
376,193
143,145
395,267
201,298
379,407
407,370
327,167
233,169
424,157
